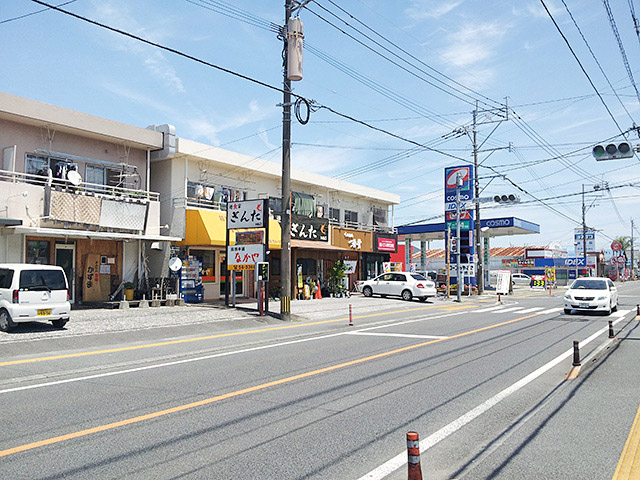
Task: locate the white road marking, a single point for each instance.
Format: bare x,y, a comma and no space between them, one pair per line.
490,309
528,310
512,309
551,310
215,355
402,335
400,460
620,313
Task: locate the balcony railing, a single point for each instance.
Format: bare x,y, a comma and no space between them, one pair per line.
85,188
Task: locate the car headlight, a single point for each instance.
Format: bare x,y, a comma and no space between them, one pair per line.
568,297
602,298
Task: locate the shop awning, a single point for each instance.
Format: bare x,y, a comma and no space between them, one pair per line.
208,227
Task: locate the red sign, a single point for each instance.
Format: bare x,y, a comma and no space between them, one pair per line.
616,246
386,244
464,215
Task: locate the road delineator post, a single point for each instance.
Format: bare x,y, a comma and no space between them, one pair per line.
576,353
637,309
413,460
350,316
611,334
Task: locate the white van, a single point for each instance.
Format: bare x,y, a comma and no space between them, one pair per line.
30,292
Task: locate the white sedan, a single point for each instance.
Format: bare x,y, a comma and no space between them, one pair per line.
591,294
402,284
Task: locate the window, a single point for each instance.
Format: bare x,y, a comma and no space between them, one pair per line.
42,280
35,165
6,276
38,252
350,216
275,205
398,277
303,204
308,265
334,214
379,216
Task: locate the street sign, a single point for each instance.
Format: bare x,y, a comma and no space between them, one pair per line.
246,214
616,246
244,257
621,260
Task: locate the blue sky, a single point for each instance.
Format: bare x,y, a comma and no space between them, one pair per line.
475,49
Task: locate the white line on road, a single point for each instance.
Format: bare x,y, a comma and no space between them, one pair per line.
511,309
528,310
400,460
207,357
551,310
401,335
490,309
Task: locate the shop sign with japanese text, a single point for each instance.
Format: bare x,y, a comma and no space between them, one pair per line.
348,239
244,257
246,214
386,243
310,228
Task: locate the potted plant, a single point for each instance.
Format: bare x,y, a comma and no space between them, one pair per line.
129,289
336,278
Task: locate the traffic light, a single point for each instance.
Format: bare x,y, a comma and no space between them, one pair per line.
454,245
506,199
613,151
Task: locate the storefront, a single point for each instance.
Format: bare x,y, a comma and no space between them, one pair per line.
355,244
205,239
384,244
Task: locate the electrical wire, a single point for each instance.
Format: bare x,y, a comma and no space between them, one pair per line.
33,13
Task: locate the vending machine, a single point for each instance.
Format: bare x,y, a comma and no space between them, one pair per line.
191,289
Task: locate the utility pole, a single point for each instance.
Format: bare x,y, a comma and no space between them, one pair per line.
285,223
458,272
584,230
632,269
476,195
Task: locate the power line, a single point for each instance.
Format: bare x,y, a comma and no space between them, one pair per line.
625,60
413,57
580,64
33,13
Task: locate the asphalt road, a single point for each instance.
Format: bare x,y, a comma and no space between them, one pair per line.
483,384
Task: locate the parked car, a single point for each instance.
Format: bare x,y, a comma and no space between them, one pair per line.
591,294
520,279
402,284
31,292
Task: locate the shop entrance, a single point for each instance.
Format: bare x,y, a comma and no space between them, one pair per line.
66,258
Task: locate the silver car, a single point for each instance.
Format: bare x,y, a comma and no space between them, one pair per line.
401,284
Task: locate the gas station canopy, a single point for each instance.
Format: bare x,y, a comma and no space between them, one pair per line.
495,227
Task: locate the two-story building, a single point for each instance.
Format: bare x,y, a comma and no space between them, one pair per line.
74,192
331,219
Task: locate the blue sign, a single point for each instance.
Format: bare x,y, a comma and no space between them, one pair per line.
450,176
570,262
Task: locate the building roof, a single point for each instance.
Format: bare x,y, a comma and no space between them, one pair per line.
272,169
38,114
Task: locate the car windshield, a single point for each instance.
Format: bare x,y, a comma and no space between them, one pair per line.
42,280
590,284
417,276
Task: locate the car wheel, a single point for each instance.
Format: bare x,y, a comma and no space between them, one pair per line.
367,292
567,311
407,295
6,323
59,323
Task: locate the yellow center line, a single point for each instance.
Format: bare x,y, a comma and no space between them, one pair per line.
629,463
199,339
255,388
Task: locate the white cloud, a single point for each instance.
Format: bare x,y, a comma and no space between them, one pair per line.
155,62
422,9
536,10
474,43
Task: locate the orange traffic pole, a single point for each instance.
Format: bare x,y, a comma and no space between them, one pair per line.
413,452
